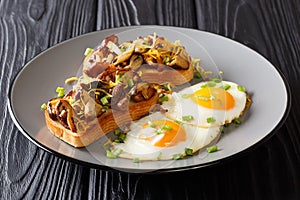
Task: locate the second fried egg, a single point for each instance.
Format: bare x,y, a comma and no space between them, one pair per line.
207,104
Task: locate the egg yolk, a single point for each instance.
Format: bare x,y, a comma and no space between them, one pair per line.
172,132
214,98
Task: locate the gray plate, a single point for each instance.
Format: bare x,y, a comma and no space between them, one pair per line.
36,82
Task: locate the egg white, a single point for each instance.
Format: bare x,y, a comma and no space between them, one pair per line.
136,146
178,106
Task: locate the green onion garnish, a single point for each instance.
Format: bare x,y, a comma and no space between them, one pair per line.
177,156
241,88
167,59
211,84
226,86
185,96
110,154
151,124
104,100
163,98
188,151
130,83
60,91
212,149
237,121
113,154
210,120
187,118
217,79
105,107
87,51
159,131
167,87
136,160
117,132
222,130
159,156
178,122
167,127
43,106
197,75
204,86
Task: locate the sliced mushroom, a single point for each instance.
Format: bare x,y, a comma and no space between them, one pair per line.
125,55
135,61
179,62
143,91
64,114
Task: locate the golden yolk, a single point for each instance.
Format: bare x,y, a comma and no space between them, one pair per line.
172,132
215,98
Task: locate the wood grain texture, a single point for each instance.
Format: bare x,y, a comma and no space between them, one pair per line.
27,28
271,27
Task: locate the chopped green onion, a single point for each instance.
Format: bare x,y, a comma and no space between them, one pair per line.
177,156
71,101
104,100
87,51
123,49
210,120
159,156
226,125
105,107
185,96
187,118
117,152
167,127
237,121
211,84
113,154
136,160
122,137
197,75
110,154
188,151
60,91
217,79
44,106
222,129
204,85
167,59
130,82
163,98
178,122
159,131
212,149
226,86
167,87
151,124
117,132
203,98
241,88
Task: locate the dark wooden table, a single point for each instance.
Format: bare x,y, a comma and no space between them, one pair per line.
270,171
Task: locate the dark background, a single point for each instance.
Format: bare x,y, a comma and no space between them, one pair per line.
270,27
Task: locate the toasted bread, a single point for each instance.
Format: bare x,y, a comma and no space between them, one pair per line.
102,125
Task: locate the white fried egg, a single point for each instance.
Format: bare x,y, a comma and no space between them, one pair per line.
156,137
207,104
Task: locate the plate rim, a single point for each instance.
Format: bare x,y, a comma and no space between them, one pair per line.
160,170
